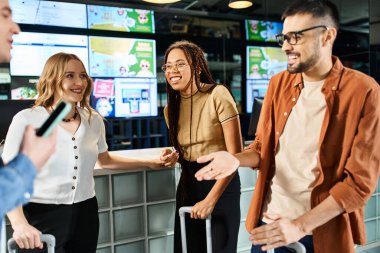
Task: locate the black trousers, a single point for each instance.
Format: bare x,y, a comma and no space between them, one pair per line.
225,220
75,227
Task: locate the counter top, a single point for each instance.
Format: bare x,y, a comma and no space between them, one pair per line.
146,153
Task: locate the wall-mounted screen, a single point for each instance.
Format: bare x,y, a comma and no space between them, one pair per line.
5,80
264,62
31,50
255,89
260,30
125,97
24,87
120,19
121,57
52,13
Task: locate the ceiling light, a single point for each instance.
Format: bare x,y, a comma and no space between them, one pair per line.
161,1
240,4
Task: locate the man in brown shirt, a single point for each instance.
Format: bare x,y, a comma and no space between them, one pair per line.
345,156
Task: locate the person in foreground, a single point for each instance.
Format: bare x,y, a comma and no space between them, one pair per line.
17,176
202,116
64,202
317,144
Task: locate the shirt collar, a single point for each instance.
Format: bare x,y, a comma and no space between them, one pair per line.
332,78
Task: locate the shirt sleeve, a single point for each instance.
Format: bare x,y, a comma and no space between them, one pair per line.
16,183
224,104
14,137
362,168
264,117
102,144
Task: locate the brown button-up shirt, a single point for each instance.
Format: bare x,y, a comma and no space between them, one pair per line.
349,150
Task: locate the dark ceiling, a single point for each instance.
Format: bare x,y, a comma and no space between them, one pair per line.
354,13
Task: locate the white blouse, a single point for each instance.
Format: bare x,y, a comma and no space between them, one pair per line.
67,177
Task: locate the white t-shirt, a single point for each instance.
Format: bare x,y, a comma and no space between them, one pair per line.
297,155
67,177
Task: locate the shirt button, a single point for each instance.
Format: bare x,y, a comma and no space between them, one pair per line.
73,187
75,167
73,138
27,195
74,177
277,132
75,147
333,88
294,99
285,114
76,157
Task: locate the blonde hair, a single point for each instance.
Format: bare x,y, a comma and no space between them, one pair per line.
51,78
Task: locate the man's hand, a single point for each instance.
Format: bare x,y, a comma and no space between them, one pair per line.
38,149
281,232
222,165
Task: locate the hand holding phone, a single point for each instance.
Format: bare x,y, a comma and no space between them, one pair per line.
55,117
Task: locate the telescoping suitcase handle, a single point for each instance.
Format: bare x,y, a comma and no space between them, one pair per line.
187,209
48,239
298,247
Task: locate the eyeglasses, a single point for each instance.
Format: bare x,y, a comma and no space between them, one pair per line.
169,67
293,37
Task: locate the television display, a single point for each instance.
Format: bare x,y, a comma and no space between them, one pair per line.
260,30
52,13
23,87
125,97
255,89
13,107
255,116
264,62
31,50
122,57
120,19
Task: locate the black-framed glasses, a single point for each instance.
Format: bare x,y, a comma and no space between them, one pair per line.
293,37
169,67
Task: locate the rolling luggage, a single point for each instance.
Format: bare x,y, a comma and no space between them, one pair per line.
48,239
298,247
187,209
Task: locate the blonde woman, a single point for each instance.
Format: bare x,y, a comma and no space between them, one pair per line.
64,202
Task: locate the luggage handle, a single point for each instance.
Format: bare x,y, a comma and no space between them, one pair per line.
48,239
297,246
187,209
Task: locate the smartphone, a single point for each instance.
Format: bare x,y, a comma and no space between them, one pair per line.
55,117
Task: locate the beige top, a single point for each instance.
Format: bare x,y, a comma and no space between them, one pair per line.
210,111
297,155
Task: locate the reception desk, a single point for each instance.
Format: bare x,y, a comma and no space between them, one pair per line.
137,207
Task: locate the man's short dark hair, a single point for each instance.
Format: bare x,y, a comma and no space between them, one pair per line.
316,8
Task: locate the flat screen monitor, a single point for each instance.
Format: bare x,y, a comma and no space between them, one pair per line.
24,87
261,30
31,50
125,97
264,62
12,107
51,13
255,89
120,19
256,109
122,57
5,81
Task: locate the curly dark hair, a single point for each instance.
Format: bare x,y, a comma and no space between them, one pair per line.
200,73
